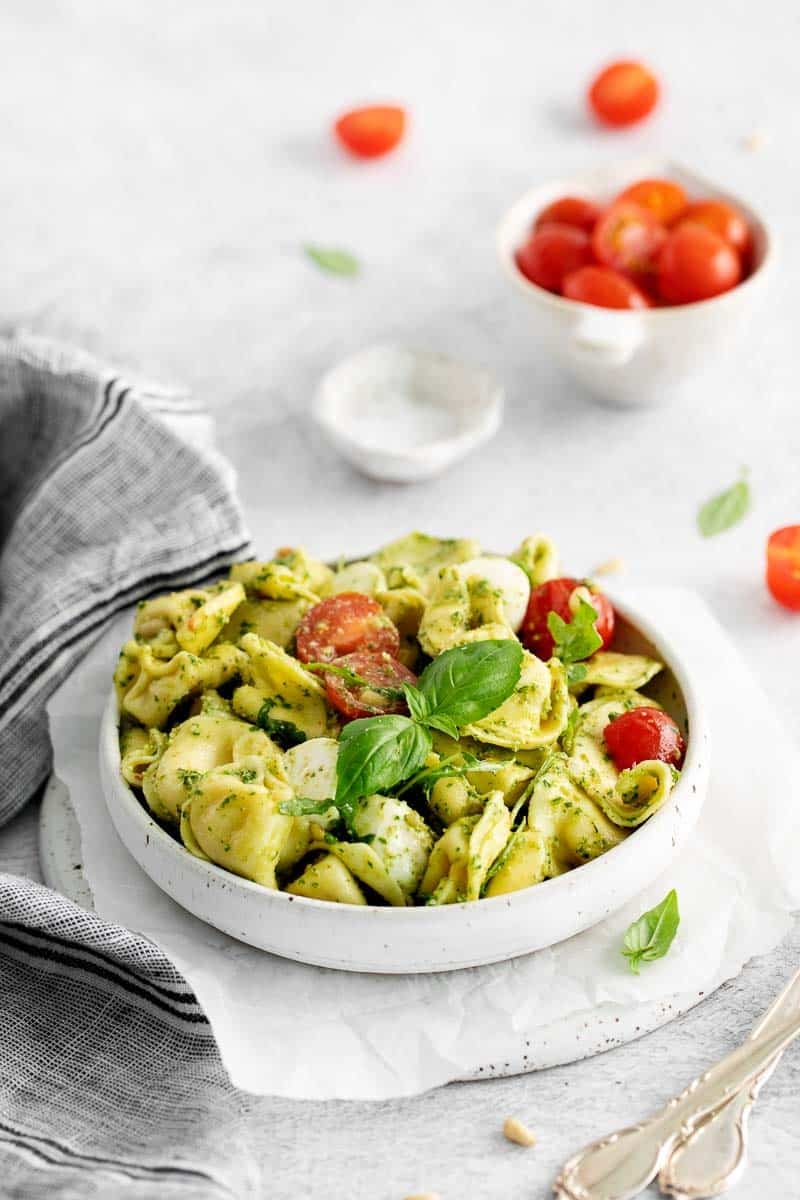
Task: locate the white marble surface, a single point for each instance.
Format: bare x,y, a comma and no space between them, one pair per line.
163,166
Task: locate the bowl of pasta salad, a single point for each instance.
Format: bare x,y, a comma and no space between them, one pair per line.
425,759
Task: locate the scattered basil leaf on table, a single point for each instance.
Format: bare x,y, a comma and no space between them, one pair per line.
725,509
651,936
575,639
336,262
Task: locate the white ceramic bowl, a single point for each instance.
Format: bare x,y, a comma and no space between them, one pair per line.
637,358
405,415
415,940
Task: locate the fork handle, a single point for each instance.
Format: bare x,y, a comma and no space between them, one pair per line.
714,1155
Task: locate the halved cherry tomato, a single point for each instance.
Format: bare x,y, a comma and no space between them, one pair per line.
696,264
370,132
643,734
344,623
721,219
555,596
604,287
380,695
569,210
665,199
623,93
783,566
628,238
551,253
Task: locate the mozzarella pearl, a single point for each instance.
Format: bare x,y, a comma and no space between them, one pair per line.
505,577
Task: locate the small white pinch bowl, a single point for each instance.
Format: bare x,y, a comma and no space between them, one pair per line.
403,415
641,358
419,940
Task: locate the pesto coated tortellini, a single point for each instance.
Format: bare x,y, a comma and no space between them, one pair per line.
188,620
235,816
458,608
572,828
242,745
627,797
194,747
535,715
151,688
278,593
462,858
279,689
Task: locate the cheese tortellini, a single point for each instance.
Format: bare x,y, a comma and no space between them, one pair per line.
233,743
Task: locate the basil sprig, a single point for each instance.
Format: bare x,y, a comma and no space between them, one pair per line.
575,639
459,687
465,684
651,936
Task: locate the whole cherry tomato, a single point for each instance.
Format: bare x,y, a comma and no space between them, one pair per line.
604,287
382,691
696,264
371,132
783,566
555,596
623,93
628,238
569,210
551,253
664,198
722,219
341,624
642,734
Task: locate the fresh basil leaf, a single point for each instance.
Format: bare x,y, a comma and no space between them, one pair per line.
725,509
653,933
417,704
577,638
304,806
336,262
444,724
284,732
576,673
375,753
468,682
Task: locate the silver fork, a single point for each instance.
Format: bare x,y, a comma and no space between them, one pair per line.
714,1155
621,1165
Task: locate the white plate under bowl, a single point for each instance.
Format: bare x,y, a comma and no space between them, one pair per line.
417,940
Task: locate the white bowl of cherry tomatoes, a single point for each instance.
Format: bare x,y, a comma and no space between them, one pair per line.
636,276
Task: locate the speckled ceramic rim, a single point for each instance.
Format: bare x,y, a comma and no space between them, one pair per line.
578,899
518,218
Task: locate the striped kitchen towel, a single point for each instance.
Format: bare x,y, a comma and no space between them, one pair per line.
110,1084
